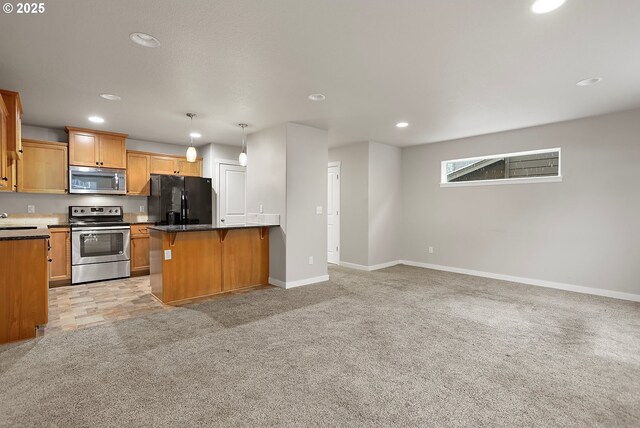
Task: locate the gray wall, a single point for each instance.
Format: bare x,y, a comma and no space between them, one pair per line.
307,158
354,202
582,231
370,203
385,203
266,185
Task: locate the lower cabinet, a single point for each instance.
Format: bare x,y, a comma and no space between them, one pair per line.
139,250
23,287
60,255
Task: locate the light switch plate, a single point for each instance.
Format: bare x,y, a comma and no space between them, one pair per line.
31,209
141,208
261,209
167,254
310,260
319,209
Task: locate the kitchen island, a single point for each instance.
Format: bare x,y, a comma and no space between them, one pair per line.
192,261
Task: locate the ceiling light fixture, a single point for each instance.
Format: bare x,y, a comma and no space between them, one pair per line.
402,124
110,97
546,6
317,97
243,155
96,119
143,39
590,81
195,135
192,154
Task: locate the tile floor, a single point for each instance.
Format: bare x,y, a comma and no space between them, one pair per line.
87,305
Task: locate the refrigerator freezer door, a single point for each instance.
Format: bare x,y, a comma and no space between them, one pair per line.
199,194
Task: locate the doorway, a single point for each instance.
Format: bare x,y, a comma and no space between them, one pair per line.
333,213
232,189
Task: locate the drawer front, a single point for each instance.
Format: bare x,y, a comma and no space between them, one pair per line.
140,229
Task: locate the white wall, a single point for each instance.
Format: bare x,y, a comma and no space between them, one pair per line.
385,203
307,158
583,231
266,185
370,203
354,202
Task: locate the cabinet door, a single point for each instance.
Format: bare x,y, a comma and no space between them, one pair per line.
43,167
138,170
112,152
83,149
60,254
4,155
163,165
139,253
192,169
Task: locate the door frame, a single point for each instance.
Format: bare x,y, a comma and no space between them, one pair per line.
218,162
339,165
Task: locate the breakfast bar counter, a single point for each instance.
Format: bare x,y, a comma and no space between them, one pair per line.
191,261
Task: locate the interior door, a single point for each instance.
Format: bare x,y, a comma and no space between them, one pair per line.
232,194
333,215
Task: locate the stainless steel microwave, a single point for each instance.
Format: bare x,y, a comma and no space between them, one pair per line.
101,181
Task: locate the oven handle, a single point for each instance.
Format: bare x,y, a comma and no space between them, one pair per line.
99,229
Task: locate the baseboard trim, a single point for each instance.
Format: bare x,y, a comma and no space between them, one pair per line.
372,267
299,283
529,281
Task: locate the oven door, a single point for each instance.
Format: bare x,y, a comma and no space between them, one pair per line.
100,244
97,180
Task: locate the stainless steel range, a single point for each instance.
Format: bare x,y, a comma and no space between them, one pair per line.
100,245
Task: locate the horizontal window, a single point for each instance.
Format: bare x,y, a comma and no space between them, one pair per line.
532,166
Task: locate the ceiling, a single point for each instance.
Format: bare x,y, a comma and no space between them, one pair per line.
449,68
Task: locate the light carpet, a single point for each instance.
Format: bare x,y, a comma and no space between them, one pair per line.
403,346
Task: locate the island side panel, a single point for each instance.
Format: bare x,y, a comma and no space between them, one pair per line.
155,263
24,286
194,267
245,258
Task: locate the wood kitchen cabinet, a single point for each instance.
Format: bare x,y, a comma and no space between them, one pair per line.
97,148
60,255
138,171
5,169
43,167
14,123
23,287
174,165
139,249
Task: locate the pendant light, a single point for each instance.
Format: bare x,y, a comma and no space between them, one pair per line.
243,155
192,154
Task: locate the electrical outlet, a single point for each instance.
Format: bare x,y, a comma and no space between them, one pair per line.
319,209
167,254
261,209
141,208
310,260
430,250
31,209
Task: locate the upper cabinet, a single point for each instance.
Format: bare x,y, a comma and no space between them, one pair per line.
138,170
14,123
43,167
174,165
97,148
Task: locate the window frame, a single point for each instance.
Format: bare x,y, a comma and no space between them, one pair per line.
520,180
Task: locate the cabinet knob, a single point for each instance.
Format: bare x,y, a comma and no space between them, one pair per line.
20,151
101,163
97,163
5,179
50,260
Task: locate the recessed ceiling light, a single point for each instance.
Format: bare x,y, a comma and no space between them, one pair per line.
143,39
110,97
317,97
546,6
402,124
96,119
590,81
195,135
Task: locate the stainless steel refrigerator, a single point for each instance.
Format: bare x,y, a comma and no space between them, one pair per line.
180,200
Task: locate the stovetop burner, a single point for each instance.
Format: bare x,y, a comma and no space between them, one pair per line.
96,216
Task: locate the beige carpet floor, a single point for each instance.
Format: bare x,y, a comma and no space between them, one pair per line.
399,347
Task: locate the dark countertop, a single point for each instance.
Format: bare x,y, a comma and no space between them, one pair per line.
205,227
41,232
52,226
